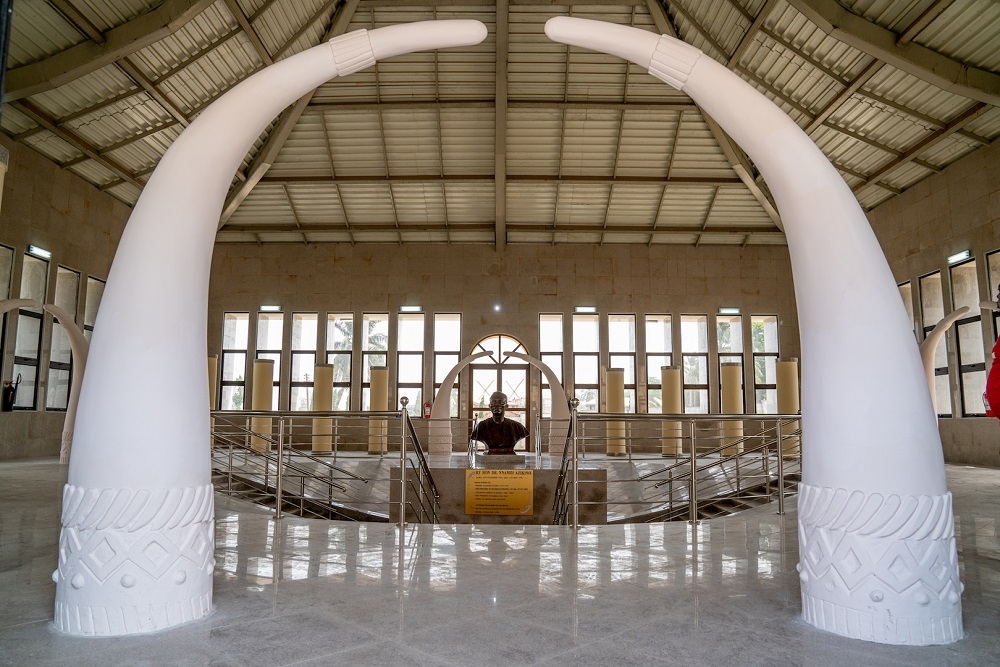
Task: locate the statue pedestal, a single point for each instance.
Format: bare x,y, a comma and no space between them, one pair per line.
498,460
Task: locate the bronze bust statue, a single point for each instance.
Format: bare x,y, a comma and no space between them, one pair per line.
498,433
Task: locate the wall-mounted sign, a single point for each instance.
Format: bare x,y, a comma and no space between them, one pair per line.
509,492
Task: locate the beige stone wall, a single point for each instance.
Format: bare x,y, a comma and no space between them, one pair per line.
54,209
524,280
958,209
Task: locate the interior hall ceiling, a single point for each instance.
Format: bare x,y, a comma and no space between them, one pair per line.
518,139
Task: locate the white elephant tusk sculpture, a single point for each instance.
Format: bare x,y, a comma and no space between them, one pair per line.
876,530
136,547
929,345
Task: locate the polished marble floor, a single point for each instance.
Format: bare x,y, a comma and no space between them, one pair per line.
303,592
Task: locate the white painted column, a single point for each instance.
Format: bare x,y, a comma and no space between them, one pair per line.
378,429
262,400
322,427
615,379
788,400
731,380
672,403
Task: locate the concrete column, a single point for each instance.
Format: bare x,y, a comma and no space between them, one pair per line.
322,427
732,404
378,428
261,400
788,401
616,403
672,403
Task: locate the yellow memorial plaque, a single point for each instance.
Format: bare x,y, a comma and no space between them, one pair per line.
510,492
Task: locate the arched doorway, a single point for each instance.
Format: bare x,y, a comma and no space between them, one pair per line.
498,372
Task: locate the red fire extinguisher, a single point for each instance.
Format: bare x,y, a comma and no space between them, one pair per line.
427,410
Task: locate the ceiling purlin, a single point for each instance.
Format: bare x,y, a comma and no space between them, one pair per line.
333,176
934,10
735,155
500,125
618,140
708,214
249,31
283,127
77,19
295,214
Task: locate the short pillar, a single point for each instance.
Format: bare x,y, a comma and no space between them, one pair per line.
732,404
672,403
616,403
262,400
788,402
378,429
322,427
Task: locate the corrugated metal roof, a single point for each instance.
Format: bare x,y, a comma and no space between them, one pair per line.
595,150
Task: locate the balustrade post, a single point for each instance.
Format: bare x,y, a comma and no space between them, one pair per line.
279,468
693,494
403,416
781,470
576,466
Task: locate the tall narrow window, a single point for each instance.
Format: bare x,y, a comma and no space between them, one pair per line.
694,356
764,344
60,355
447,353
586,362
550,349
303,349
270,328
906,294
6,271
932,312
992,282
340,355
374,350
621,348
235,337
729,342
659,353
969,337
410,360
28,344
92,302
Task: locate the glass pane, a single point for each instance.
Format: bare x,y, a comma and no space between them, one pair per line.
235,331
696,401
621,333
628,363
965,287
57,393
447,332
26,390
766,401
484,383
342,399
586,333
95,291
508,344
371,361
546,402
375,332
232,398
443,363
454,403
366,399
970,343
973,388
6,270
410,327
514,383
300,398
993,273
67,290
34,279
28,329
303,367
931,300
269,330
553,361
764,333
695,370
765,370
276,356
585,369
630,404
943,393
341,362
654,401
491,345
550,332
729,333
415,404
654,368
410,369
659,337
906,294
588,400
60,352
234,366
304,331
339,331
694,333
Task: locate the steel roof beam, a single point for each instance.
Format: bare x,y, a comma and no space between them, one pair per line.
500,123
